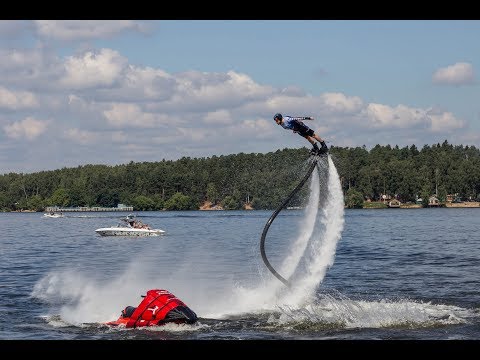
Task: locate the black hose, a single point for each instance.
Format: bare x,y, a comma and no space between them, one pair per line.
274,215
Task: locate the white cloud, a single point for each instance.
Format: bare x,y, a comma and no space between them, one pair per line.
260,127
79,136
13,58
9,28
35,70
130,115
199,90
401,116
197,136
28,128
460,73
86,29
139,84
150,83
221,117
86,137
15,100
444,122
100,69
119,136
96,99
338,102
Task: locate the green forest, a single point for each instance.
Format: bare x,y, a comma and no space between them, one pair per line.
263,180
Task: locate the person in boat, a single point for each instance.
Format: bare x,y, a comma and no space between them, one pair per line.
137,224
295,123
158,307
132,223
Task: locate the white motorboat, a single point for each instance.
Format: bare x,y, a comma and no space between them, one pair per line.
130,226
53,215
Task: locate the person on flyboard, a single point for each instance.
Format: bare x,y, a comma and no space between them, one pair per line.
296,124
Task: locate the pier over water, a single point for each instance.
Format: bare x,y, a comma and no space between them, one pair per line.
120,207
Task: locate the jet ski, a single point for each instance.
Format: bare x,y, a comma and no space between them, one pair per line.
158,307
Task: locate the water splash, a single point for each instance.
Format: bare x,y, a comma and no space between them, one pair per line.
321,251
330,311
82,299
309,255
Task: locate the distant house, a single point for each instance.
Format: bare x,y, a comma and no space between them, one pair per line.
453,198
385,198
433,201
394,203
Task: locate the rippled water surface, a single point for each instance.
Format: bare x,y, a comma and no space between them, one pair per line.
410,274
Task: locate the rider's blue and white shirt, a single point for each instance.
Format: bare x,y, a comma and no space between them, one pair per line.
295,123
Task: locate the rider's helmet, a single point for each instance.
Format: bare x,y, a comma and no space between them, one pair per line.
128,311
278,116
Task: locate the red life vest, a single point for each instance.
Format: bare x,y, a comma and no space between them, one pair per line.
153,310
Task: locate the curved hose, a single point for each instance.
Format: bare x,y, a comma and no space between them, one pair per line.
274,215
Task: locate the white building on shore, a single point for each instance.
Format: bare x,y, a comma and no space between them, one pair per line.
120,207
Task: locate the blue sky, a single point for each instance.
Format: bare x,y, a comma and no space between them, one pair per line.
83,92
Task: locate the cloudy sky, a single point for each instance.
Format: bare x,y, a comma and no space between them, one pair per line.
83,92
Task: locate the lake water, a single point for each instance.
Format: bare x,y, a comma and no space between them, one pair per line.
391,274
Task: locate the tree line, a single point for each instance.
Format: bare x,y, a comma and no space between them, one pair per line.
262,180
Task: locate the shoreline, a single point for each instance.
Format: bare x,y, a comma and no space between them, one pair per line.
462,205
210,207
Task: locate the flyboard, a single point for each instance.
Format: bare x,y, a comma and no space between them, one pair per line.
315,157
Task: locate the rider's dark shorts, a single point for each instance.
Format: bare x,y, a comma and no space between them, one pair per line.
303,129
309,132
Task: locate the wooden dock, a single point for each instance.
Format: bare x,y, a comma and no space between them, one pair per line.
120,207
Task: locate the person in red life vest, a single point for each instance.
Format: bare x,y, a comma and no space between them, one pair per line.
296,124
158,307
